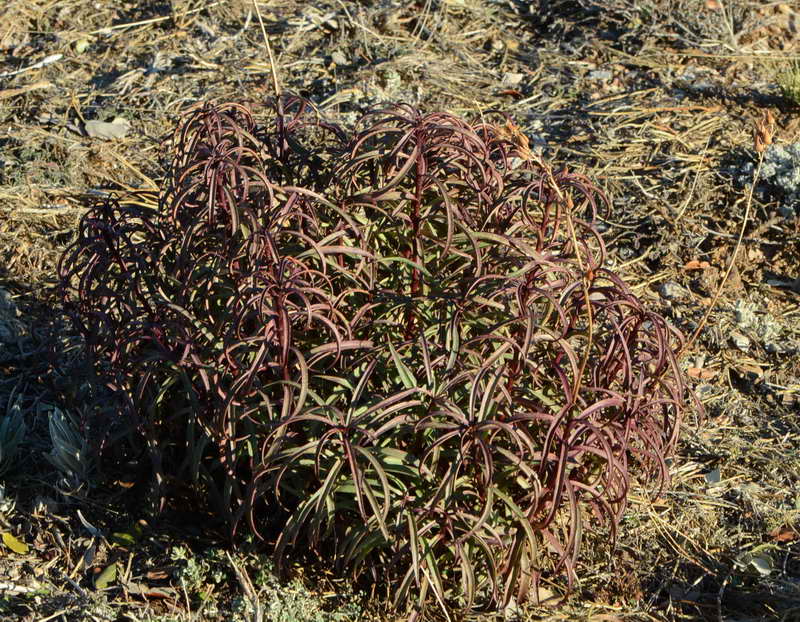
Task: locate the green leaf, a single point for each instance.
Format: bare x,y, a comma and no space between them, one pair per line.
433,574
453,340
413,536
522,519
403,260
15,545
106,577
122,538
426,358
407,378
380,513
484,412
467,577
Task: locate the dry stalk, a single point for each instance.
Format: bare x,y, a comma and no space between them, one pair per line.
273,68
762,138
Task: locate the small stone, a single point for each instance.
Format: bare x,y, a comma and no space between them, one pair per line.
705,391
777,348
339,58
600,74
671,290
740,341
118,128
713,477
512,79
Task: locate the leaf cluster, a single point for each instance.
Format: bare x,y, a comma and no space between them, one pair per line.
401,340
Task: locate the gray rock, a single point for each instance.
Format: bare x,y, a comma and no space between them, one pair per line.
512,79
600,74
118,128
671,290
740,341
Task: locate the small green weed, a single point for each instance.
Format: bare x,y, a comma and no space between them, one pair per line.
197,572
201,573
293,601
789,82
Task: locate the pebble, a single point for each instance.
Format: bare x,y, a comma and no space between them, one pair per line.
671,290
600,74
740,341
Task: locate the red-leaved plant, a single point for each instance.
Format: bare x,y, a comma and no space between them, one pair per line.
402,340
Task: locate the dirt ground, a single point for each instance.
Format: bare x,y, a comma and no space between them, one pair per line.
656,101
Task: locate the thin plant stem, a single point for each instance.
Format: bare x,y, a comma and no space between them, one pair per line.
731,263
273,68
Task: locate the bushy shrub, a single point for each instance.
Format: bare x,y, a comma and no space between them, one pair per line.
402,341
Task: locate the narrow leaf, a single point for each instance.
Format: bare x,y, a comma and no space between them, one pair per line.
15,545
106,577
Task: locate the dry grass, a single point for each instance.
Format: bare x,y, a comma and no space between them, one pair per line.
656,100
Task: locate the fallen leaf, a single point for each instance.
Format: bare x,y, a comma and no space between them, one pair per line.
106,577
783,534
762,564
694,264
141,589
701,373
123,539
15,545
157,575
